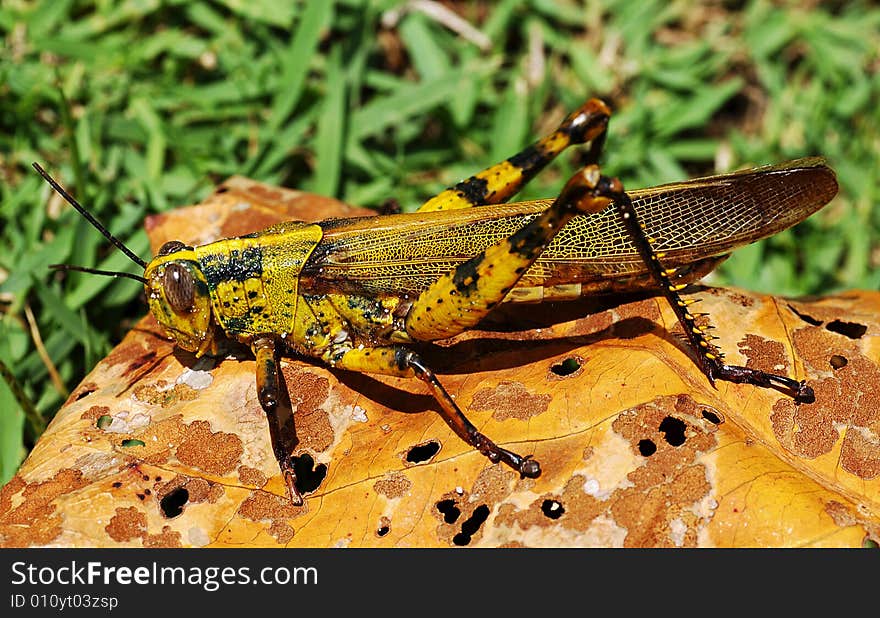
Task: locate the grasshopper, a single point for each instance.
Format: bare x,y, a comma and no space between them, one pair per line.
356,292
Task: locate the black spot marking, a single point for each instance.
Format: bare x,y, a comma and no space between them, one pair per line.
423,452
449,511
530,160
117,485
711,417
252,294
466,276
236,324
237,265
308,475
566,367
673,430
647,447
552,509
382,531
838,362
172,504
473,190
853,330
471,526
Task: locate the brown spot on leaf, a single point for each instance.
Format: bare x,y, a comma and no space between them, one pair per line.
669,482
263,506
159,438
166,538
764,354
510,400
94,413
656,509
580,509
201,490
644,309
841,515
740,299
282,531
308,392
384,526
595,322
164,398
491,486
34,521
251,476
126,524
847,403
395,485
213,452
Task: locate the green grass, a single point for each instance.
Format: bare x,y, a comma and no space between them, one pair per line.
140,106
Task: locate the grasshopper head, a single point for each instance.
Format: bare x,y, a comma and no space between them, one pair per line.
178,295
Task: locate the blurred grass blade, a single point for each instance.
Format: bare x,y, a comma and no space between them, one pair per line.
331,129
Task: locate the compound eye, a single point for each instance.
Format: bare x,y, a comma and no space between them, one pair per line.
172,246
179,288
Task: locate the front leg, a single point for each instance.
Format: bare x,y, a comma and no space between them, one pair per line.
270,394
400,362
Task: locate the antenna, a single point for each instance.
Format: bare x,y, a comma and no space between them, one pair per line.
95,223
96,271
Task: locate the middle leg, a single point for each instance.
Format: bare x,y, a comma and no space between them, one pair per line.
401,362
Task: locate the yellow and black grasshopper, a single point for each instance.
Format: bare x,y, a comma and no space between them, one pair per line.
355,292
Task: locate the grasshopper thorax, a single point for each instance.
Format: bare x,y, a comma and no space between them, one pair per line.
177,292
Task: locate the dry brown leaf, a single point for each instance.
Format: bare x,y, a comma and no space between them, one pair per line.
155,448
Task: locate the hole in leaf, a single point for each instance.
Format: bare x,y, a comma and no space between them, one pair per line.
837,361
566,367
853,330
647,447
552,509
172,504
449,511
673,430
423,452
85,392
806,318
711,417
470,527
308,475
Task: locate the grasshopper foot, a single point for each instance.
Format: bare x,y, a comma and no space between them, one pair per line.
289,477
799,391
526,466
